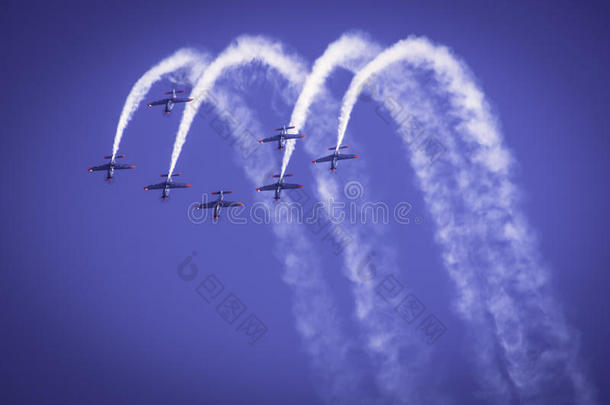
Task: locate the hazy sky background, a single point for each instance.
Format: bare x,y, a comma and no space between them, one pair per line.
93,308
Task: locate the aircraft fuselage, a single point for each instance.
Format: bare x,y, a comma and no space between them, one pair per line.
110,172
281,143
334,162
169,106
278,190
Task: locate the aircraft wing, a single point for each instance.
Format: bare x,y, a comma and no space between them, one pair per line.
178,185
230,204
294,136
210,204
270,139
100,167
155,186
182,100
118,166
158,102
289,186
324,159
266,188
348,156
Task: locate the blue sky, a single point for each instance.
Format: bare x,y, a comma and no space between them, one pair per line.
93,306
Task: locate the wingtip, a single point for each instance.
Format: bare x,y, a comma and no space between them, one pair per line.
356,156
300,186
146,188
133,166
188,185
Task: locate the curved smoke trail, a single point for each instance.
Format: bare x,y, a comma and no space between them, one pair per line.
310,289
343,52
180,59
314,308
244,50
474,203
317,321
385,338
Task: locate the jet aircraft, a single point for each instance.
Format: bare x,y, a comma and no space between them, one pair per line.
335,157
171,101
167,185
282,137
111,166
279,186
219,203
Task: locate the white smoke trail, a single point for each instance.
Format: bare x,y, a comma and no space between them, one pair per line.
348,50
313,305
317,322
398,353
180,59
385,338
474,203
244,50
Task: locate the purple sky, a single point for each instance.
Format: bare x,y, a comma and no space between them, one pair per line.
93,308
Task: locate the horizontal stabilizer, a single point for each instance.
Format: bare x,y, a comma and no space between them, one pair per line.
224,192
177,92
341,147
279,129
175,174
277,176
116,157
